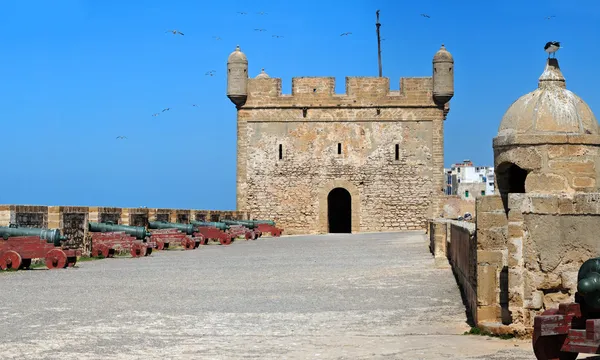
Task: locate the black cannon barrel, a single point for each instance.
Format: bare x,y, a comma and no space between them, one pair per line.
588,284
52,236
245,223
139,232
218,225
188,229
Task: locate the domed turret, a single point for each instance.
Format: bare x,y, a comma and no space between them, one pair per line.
262,75
548,141
443,76
237,77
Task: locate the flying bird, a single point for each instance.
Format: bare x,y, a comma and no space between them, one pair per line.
552,47
261,30
166,109
121,137
155,114
550,17
242,13
216,38
210,73
174,32
346,34
261,13
277,36
194,105
426,16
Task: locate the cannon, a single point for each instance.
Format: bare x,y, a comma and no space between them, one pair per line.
166,233
19,245
268,226
108,237
215,231
245,228
565,332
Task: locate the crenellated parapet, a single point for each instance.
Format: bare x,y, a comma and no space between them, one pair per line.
318,92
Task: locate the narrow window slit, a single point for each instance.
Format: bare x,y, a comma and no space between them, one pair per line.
280,151
397,152
339,148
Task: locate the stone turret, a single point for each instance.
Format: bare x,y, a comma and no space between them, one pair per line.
443,76
237,77
262,75
548,141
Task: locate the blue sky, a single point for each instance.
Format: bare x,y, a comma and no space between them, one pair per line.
78,73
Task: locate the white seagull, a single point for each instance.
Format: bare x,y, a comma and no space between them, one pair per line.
552,47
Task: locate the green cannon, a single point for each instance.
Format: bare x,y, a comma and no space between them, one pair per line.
219,225
139,232
52,236
188,229
268,222
245,223
588,285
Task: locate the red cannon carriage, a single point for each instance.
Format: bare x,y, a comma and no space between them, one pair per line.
166,233
563,333
213,230
108,238
18,246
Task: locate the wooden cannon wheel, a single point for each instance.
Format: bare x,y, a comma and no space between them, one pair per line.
137,250
226,240
100,249
56,259
188,244
250,235
160,245
10,260
548,347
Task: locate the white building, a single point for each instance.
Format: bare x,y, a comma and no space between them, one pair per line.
469,181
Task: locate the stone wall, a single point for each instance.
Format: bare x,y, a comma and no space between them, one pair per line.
72,220
524,261
452,206
294,149
456,240
550,236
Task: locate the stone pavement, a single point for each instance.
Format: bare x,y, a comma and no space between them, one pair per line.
365,296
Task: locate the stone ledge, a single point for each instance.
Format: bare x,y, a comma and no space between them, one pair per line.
496,328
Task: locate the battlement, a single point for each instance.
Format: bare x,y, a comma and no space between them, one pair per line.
315,91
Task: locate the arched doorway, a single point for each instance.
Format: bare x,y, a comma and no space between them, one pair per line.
339,211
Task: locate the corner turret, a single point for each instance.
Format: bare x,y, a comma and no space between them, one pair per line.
443,76
237,77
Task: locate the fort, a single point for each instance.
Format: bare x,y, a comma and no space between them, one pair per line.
316,161
371,160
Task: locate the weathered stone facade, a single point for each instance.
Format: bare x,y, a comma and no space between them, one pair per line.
385,148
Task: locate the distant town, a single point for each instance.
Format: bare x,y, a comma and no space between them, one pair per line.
469,181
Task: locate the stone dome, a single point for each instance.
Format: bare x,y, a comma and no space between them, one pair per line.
443,55
262,75
237,56
550,109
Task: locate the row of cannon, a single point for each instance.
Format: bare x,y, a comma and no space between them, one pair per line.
20,245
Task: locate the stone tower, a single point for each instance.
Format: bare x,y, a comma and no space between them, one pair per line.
443,76
370,159
548,141
237,77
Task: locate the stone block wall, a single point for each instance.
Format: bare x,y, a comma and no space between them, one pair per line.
72,220
452,206
350,140
550,236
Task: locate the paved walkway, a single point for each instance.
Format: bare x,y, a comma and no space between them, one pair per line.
367,296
